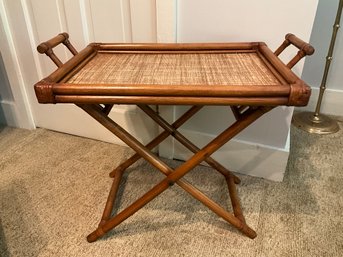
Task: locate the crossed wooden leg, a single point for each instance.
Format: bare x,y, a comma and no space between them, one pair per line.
173,176
172,130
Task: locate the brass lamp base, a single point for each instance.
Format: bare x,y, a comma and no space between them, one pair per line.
311,123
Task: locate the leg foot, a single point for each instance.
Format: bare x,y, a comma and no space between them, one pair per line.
236,179
249,232
95,235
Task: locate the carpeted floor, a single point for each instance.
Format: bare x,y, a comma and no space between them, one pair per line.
53,188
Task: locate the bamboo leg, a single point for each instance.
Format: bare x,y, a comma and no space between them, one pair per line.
234,199
230,178
193,148
235,112
155,191
238,110
107,108
111,198
174,176
113,222
186,116
210,204
118,172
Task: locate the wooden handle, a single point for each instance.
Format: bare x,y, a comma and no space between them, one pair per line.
60,38
300,44
304,48
46,47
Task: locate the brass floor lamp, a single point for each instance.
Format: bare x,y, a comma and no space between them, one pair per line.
317,122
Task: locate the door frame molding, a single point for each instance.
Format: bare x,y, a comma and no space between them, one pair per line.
18,111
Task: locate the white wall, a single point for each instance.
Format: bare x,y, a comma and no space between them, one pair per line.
265,20
314,66
245,20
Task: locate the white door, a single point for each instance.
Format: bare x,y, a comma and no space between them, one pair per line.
31,22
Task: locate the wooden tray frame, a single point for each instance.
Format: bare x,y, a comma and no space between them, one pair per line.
291,90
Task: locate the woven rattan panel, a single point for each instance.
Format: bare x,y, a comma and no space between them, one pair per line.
176,69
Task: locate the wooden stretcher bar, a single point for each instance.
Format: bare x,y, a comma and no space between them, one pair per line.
165,100
104,74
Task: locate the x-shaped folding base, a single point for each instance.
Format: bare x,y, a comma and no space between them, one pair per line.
244,117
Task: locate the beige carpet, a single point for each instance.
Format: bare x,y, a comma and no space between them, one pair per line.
53,188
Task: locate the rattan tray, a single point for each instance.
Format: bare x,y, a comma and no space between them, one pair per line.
204,74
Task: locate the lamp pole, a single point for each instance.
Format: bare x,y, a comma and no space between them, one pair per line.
317,122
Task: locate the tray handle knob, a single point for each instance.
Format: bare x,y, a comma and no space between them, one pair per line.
304,49
46,47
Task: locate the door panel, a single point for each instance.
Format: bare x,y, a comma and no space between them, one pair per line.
86,21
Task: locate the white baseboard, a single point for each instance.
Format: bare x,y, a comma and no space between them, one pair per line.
242,157
332,103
